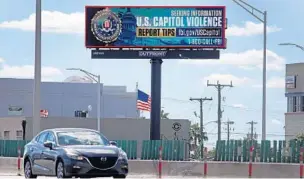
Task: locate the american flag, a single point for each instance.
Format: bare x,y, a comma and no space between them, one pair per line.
44,113
143,101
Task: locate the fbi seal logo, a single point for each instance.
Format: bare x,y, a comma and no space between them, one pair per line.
106,26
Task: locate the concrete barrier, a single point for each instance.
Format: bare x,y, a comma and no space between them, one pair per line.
187,168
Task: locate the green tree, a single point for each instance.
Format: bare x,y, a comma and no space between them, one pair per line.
195,134
164,115
300,136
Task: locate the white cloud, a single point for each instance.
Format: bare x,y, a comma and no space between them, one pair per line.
227,78
27,71
249,59
273,82
242,106
52,21
250,29
276,82
275,121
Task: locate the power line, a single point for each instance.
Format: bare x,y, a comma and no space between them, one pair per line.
219,88
273,112
227,105
242,133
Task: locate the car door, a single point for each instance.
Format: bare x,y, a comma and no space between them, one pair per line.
36,151
49,155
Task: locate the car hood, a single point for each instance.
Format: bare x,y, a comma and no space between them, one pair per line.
93,150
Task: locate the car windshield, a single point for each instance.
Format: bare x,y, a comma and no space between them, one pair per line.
81,138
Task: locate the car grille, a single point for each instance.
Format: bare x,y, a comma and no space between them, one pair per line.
96,162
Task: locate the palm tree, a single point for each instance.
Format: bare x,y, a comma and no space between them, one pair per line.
164,115
300,137
195,139
195,134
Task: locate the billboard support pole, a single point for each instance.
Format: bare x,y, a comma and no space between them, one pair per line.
155,98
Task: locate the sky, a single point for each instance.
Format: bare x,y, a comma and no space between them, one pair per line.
63,47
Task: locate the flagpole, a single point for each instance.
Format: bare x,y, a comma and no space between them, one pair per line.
138,112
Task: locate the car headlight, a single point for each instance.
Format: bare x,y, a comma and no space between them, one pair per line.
122,154
73,155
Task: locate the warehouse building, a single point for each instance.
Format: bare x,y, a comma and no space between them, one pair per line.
294,85
76,97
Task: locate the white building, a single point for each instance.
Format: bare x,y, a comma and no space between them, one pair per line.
294,118
64,98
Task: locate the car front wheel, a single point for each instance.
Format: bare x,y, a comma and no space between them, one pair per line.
28,170
60,170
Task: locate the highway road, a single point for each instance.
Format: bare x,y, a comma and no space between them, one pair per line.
129,177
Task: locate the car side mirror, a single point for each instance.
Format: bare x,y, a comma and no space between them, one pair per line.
49,145
113,143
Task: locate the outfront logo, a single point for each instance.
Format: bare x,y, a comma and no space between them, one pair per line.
106,26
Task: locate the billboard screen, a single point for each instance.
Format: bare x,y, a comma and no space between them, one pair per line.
155,27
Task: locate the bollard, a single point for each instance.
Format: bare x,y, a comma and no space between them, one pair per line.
19,161
205,161
160,162
301,162
250,162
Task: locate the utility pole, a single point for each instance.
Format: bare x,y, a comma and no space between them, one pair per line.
252,123
201,101
228,123
219,88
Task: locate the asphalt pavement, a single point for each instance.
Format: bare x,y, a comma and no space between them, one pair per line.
129,177
13,176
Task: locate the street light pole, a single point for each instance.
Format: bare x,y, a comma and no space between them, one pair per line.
264,79
251,10
292,44
93,77
37,76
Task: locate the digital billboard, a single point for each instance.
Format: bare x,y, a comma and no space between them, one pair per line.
155,27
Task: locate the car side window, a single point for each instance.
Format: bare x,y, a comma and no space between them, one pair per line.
42,137
37,138
50,137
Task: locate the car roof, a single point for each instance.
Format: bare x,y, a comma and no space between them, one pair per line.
69,130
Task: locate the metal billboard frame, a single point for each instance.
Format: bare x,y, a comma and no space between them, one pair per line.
155,53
